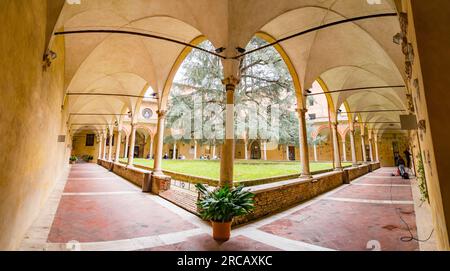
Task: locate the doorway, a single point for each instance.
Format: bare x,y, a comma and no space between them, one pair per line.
255,150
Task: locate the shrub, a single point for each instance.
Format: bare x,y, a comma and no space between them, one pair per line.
223,204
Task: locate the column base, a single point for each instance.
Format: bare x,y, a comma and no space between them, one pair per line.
306,176
338,169
160,182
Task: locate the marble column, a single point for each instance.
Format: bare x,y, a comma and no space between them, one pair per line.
363,146
174,155
316,158
337,157
150,154
127,141
118,141
246,150
104,146
227,154
264,147
353,148
100,143
159,142
287,153
344,151
110,149
213,151
131,144
370,149
377,156
303,142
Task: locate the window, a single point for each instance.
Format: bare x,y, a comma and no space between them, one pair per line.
312,116
90,138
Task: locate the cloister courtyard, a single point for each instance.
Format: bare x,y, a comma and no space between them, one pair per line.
229,125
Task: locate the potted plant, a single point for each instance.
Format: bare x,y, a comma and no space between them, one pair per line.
221,205
73,159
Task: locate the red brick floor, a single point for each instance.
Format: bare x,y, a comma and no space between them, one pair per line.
351,225
375,192
99,206
204,242
103,217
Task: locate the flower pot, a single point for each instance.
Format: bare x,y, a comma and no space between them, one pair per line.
221,231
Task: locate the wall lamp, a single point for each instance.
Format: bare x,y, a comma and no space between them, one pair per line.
48,57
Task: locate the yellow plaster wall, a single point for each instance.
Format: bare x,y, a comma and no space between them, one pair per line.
30,115
428,33
80,149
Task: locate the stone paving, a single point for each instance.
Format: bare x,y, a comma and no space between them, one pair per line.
97,210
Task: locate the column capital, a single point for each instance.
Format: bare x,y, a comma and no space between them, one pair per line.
161,113
230,82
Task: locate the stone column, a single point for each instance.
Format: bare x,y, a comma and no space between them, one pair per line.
118,142
370,149
303,141
104,146
127,141
195,149
100,147
344,151
245,150
264,150
337,157
132,142
151,147
110,149
316,158
174,156
353,148
157,168
377,156
227,155
287,153
213,151
363,145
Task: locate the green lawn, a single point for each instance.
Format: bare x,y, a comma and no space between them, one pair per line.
243,170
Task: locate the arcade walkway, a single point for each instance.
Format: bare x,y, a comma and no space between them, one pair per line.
97,210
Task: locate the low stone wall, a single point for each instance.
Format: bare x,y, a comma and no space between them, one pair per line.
138,176
356,172
274,197
376,166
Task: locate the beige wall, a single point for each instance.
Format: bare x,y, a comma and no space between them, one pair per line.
30,115
428,33
80,149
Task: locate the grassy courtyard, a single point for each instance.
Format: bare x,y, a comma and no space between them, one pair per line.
243,170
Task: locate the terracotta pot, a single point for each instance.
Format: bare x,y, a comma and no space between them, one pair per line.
221,231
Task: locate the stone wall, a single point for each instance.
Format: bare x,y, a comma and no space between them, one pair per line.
138,176
31,118
356,172
271,198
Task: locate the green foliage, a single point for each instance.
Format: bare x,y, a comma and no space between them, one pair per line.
265,81
421,179
73,158
88,158
222,204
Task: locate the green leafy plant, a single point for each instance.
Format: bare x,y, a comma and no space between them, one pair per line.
73,158
421,179
222,204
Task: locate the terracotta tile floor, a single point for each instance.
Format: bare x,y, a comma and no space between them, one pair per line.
103,211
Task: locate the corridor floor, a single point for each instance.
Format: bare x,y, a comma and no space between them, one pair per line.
97,210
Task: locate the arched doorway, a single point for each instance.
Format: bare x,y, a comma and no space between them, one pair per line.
255,150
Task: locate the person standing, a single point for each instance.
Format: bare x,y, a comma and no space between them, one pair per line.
408,158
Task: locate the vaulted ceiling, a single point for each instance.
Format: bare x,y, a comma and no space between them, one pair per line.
350,55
